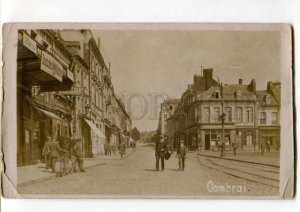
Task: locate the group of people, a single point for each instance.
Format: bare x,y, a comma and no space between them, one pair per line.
162,153
111,149
52,151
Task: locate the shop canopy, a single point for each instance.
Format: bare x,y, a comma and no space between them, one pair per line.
48,113
94,128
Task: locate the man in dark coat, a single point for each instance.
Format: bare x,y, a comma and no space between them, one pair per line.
76,151
46,153
160,150
181,154
55,150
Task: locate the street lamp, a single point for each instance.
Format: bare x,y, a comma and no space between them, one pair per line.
222,117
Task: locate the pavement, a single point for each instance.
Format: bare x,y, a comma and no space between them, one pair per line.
135,177
37,173
268,158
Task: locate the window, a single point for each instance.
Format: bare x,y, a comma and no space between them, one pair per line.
199,114
171,107
228,111
217,113
165,116
239,114
217,94
206,114
195,115
263,117
274,118
249,114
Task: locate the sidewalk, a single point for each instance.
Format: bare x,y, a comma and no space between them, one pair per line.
269,158
37,172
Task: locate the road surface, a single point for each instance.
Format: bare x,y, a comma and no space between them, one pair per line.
135,176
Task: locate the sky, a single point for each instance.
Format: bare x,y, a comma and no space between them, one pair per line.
150,65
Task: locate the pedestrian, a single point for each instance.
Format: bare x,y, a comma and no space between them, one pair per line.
160,150
108,149
105,148
122,149
46,153
181,154
268,145
55,150
234,146
77,152
114,149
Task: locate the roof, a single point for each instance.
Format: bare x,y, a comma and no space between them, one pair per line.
266,99
172,101
230,93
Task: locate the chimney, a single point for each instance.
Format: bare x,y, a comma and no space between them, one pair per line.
270,86
208,73
240,81
207,76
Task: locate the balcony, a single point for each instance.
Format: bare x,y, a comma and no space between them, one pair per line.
76,91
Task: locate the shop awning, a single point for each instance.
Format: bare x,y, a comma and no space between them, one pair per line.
48,113
94,128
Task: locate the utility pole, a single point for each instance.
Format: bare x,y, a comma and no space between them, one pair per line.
222,117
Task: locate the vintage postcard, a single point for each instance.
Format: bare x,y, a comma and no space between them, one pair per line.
147,111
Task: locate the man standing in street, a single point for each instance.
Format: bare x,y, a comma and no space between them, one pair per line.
234,146
46,153
55,149
78,154
181,154
160,150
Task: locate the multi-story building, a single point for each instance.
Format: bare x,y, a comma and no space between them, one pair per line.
268,115
43,69
167,110
197,117
102,119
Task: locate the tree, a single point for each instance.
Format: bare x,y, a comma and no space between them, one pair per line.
135,134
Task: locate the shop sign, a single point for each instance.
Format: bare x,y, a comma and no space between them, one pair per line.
29,43
51,66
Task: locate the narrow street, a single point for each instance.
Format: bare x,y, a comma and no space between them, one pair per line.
135,176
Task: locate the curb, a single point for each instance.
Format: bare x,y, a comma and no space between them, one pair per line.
50,177
245,161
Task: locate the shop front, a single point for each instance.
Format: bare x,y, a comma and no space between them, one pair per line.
96,141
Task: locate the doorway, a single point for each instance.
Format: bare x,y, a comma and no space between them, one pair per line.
207,142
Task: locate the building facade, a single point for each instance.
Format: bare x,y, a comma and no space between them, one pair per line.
43,70
249,121
166,126
62,86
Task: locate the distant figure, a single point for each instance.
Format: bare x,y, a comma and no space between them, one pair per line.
181,154
268,145
108,149
234,147
160,150
46,153
55,150
76,151
122,149
105,148
114,149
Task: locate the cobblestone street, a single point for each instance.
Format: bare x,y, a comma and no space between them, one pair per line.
136,176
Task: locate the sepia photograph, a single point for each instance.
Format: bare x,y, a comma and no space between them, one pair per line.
148,111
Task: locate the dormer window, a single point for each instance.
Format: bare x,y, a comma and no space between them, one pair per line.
217,94
238,94
268,99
